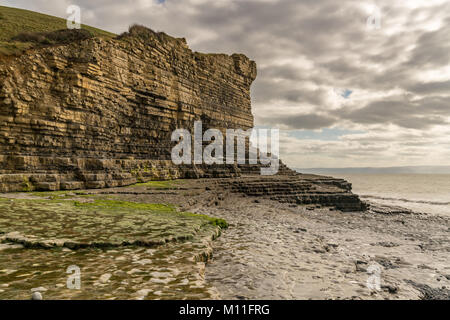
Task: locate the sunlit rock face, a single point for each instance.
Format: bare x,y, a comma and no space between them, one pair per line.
100,113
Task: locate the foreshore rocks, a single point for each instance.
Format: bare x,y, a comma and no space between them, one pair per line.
298,190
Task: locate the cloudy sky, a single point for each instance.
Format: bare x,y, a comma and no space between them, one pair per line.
350,83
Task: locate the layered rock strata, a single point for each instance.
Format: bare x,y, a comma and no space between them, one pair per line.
298,190
100,113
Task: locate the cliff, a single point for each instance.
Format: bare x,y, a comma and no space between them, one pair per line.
99,113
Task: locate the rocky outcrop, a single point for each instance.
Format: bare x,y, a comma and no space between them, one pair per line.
100,113
298,190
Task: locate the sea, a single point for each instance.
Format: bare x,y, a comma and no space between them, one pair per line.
426,193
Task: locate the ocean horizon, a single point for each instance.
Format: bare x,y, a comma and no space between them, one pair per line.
425,193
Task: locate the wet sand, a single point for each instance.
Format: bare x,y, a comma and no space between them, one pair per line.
272,251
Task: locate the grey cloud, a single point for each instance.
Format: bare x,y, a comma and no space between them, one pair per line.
430,87
418,114
266,90
283,72
432,48
302,121
342,68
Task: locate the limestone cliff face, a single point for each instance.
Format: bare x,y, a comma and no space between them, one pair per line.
100,112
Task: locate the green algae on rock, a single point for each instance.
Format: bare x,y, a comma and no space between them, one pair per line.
164,184
98,223
125,250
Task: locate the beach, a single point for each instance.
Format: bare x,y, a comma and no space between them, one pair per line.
270,250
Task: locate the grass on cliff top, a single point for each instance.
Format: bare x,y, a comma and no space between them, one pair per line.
16,21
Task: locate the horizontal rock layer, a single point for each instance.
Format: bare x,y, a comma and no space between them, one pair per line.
298,190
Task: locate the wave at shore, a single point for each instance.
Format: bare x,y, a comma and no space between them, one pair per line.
406,200
425,193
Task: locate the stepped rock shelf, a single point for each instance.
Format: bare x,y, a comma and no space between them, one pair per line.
99,113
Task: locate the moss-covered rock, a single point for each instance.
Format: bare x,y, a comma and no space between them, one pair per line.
97,223
109,241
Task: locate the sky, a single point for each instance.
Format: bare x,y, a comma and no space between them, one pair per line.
348,83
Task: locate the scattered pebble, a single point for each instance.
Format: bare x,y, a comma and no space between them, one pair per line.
105,278
36,296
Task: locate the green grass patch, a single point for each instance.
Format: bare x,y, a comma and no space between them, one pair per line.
60,195
100,219
164,184
50,193
103,222
213,221
152,207
26,185
14,21
115,204
12,47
